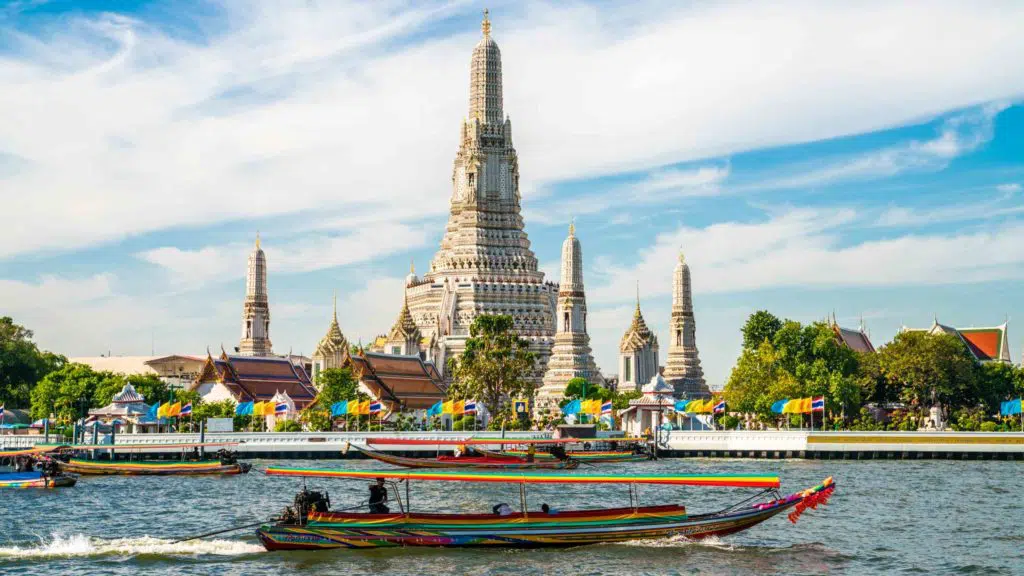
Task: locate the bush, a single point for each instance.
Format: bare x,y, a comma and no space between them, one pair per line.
968,420
287,426
728,422
466,422
989,426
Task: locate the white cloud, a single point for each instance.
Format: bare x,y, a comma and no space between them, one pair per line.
194,268
119,128
1009,188
806,248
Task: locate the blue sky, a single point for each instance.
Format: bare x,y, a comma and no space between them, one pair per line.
807,158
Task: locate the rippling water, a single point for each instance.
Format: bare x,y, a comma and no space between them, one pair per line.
886,517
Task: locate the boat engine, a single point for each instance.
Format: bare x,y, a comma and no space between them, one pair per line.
227,457
49,468
559,452
305,502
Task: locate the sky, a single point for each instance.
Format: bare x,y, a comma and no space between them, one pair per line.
809,158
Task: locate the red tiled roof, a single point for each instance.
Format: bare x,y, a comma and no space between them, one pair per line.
855,340
407,380
985,343
260,378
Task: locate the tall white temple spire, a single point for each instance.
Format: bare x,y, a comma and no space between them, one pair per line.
571,355
682,368
256,310
484,264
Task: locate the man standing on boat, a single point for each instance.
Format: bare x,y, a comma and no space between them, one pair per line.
378,498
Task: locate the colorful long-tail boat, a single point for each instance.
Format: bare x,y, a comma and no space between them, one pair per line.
485,462
226,463
311,526
26,474
589,456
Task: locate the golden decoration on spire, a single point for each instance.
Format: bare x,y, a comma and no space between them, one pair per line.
257,239
682,258
486,24
572,226
412,266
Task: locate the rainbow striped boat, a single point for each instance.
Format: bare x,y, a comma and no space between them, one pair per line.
127,468
483,462
591,456
36,480
317,529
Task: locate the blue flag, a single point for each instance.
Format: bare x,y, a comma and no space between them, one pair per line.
1010,407
244,409
339,409
435,409
572,407
152,411
778,406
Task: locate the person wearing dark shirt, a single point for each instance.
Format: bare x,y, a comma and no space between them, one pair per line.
378,498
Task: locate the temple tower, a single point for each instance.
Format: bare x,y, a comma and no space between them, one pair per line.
330,352
484,264
638,353
256,310
571,355
682,368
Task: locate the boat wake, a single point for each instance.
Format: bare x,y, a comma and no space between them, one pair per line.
80,545
679,541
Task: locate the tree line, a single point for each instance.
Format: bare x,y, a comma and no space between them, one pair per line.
916,371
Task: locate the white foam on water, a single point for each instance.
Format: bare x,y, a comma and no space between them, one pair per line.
680,541
79,545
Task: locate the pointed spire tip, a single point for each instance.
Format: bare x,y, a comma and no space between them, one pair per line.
485,26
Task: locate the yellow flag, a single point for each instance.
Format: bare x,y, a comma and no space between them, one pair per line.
595,407
459,407
257,409
448,407
174,410
161,412
353,407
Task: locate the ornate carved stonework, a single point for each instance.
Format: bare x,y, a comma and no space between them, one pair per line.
256,310
571,355
484,264
682,368
638,353
331,350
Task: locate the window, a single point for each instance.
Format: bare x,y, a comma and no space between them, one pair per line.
679,337
248,328
396,350
565,324
627,372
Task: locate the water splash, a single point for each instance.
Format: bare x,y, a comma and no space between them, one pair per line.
80,545
680,541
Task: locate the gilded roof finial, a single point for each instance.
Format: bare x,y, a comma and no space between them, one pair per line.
682,258
335,305
412,266
257,239
486,24
638,295
572,226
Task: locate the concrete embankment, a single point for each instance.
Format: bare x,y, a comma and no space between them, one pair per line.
680,444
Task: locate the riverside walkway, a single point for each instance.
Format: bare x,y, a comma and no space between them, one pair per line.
678,443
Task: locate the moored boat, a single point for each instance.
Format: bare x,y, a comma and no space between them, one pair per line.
499,462
589,456
226,464
310,526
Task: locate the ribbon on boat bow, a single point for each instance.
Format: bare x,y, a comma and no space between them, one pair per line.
812,497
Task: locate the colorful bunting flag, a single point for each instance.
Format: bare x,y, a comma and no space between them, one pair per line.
244,409
186,410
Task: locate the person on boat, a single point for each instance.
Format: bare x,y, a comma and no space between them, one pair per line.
547,509
531,451
378,498
502,509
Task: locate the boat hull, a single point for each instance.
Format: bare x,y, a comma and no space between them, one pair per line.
536,530
101,468
36,480
591,456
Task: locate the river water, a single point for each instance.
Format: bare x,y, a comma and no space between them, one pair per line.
927,517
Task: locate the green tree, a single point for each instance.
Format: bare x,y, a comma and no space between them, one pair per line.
930,369
996,382
60,392
495,365
337,384
574,390
620,401
150,386
22,364
760,327
287,426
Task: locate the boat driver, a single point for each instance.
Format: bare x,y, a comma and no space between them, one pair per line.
378,498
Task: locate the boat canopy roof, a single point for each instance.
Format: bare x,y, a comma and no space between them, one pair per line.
472,441
130,447
729,480
26,452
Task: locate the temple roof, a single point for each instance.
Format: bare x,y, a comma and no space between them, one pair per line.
128,395
856,340
989,344
334,341
404,328
658,387
405,380
258,378
638,335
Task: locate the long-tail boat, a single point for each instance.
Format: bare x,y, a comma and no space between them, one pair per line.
311,526
499,462
550,449
31,470
226,462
